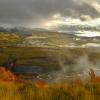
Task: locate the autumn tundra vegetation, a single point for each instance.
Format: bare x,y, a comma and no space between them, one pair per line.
14,88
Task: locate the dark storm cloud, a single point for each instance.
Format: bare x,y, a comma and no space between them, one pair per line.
25,11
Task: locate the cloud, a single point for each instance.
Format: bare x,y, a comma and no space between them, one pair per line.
34,12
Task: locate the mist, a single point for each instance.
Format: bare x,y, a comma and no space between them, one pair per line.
79,67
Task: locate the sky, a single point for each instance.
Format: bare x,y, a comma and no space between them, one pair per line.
44,13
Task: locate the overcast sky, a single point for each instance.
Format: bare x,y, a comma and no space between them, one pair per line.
34,12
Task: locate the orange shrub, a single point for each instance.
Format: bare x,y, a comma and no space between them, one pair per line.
6,75
93,76
77,81
40,83
9,76
2,69
97,78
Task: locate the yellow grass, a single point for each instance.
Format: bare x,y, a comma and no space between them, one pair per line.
55,91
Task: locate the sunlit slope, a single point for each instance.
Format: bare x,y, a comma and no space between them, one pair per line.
54,39
9,39
47,39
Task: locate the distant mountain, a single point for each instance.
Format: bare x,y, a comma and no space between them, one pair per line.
41,30
2,29
77,30
20,30
23,30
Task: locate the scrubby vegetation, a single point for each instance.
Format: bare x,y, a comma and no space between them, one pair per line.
8,39
12,88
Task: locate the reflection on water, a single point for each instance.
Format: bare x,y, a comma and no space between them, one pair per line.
30,69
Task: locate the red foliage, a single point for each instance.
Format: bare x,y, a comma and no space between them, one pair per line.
2,69
97,78
77,81
93,76
40,83
10,76
20,81
6,75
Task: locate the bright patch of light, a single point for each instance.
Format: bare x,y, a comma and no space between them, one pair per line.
88,33
93,3
78,39
96,6
48,24
56,16
52,23
85,17
91,45
71,21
